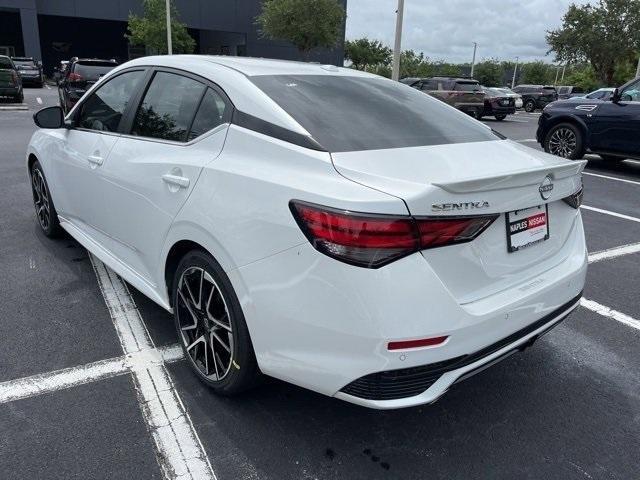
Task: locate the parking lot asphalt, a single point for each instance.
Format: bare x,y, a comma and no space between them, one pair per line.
567,408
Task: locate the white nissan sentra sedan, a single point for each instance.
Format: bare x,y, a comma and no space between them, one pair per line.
328,227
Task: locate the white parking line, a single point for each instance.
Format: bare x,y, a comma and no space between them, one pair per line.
527,140
39,100
610,313
613,214
611,178
48,87
179,450
614,252
91,372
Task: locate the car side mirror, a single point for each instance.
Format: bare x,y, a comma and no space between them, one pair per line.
615,96
49,117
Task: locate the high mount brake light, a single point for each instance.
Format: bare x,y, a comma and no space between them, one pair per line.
372,241
75,77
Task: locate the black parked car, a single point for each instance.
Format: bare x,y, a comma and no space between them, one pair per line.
79,76
30,71
497,104
610,128
536,96
569,91
10,81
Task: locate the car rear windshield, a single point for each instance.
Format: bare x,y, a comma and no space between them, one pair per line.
26,63
5,62
92,70
467,86
345,113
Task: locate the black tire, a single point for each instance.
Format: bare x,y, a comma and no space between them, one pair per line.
500,117
475,113
215,308
43,203
565,140
611,158
530,106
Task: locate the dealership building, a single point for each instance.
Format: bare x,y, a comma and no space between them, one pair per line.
55,30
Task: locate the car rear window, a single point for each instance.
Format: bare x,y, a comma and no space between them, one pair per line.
548,90
5,63
26,63
344,113
92,70
467,86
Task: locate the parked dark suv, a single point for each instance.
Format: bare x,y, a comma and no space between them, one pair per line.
610,128
536,96
10,81
30,71
80,75
465,94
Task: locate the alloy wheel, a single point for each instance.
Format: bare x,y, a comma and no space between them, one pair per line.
563,142
41,199
204,323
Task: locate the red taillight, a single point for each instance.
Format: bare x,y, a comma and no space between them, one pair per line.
423,342
75,77
371,241
14,77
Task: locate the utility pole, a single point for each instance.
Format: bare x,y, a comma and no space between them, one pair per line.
557,72
169,46
395,75
473,62
563,69
515,69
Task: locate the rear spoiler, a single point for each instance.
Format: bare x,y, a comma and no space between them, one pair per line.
520,178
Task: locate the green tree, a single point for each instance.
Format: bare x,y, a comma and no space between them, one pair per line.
536,73
414,64
489,73
582,76
365,53
150,29
308,24
606,34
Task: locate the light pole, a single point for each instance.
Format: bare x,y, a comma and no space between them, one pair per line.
169,46
515,69
473,62
395,74
557,72
563,69
638,69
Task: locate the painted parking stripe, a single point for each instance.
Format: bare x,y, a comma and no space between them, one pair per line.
527,140
179,450
613,214
614,252
39,100
611,178
91,372
610,313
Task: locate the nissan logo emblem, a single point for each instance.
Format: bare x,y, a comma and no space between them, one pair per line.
545,188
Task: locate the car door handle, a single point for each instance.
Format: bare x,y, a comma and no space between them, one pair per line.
95,159
182,182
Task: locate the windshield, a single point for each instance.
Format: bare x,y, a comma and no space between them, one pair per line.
93,71
24,63
345,113
5,62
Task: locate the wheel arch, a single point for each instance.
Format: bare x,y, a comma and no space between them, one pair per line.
183,238
571,119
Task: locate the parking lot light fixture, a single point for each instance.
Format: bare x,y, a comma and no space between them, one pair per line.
473,61
395,74
515,69
169,46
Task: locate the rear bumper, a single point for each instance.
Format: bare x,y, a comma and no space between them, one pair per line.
324,325
31,79
499,110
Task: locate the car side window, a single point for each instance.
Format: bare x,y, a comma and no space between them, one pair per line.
103,110
168,107
211,113
631,93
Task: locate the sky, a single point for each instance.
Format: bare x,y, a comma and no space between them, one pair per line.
446,29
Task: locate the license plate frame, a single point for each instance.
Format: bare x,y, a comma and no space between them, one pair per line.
537,233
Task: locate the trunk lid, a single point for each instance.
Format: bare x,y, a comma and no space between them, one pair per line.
493,177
